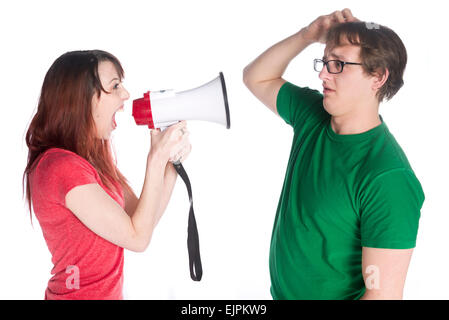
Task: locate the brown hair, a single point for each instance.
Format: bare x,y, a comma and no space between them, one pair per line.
64,116
380,49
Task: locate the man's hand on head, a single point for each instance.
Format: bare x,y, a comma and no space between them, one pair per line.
317,30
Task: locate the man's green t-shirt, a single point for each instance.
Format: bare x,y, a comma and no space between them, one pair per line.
341,193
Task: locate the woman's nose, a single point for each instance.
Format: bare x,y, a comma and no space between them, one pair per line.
125,94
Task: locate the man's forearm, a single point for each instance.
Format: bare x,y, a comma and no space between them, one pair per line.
272,63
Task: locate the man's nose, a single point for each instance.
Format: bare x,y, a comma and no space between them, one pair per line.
324,74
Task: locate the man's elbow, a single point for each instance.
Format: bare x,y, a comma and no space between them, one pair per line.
248,77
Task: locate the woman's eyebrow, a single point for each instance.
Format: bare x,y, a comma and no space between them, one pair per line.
114,79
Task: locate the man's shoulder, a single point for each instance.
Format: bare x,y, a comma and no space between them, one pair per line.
303,93
387,153
300,106
385,156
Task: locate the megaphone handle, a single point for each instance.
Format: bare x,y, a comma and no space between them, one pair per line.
193,242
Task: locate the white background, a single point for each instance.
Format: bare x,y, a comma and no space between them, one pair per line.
236,174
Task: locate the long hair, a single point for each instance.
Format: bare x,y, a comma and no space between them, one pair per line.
64,116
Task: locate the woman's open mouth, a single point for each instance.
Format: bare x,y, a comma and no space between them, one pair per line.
114,123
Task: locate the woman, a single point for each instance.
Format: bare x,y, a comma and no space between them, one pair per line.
87,211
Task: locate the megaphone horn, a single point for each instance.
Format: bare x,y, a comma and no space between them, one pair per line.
160,109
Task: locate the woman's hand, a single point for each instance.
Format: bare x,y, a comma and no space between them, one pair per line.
182,151
172,143
317,30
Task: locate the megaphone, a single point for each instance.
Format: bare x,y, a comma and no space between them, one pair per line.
161,109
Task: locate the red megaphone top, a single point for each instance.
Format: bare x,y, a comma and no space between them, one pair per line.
142,111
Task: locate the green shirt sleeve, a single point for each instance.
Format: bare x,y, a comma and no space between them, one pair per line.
390,210
300,106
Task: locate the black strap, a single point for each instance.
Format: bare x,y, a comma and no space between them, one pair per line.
193,242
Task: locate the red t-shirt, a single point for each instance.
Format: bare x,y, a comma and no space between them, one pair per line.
86,266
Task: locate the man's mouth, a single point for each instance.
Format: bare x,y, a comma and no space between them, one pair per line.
327,90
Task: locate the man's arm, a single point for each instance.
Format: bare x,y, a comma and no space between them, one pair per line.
384,272
263,76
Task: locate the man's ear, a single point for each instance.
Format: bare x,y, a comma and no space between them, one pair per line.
379,79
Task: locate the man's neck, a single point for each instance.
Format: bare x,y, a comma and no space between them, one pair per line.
355,123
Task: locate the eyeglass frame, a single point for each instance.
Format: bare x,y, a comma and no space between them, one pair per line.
326,64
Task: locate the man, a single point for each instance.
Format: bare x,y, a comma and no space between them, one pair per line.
347,218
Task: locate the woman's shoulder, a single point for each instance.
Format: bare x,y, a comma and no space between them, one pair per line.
57,172
59,160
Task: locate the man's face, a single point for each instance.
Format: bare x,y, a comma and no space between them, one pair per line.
350,90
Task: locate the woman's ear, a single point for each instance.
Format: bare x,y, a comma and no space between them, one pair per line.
379,79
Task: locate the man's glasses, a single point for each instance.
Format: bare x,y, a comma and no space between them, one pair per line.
333,66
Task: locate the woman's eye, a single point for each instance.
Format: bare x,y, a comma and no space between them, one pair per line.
116,85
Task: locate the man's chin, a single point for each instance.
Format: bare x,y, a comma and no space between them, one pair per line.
328,106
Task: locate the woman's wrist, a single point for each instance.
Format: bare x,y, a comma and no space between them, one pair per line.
170,172
156,161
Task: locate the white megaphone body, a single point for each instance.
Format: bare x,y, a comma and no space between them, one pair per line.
160,109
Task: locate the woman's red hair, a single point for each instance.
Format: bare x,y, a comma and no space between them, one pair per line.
64,116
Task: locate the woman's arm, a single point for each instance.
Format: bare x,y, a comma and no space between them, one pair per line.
169,184
131,201
170,176
104,216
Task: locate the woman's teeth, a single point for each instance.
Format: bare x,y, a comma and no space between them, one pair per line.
114,123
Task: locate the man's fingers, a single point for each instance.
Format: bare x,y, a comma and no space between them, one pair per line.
347,14
339,17
327,21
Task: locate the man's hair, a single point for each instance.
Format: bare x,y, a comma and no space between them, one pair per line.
380,49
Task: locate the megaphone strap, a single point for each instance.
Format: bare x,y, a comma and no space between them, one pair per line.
193,242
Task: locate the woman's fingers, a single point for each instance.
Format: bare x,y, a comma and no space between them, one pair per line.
183,153
169,142
182,146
